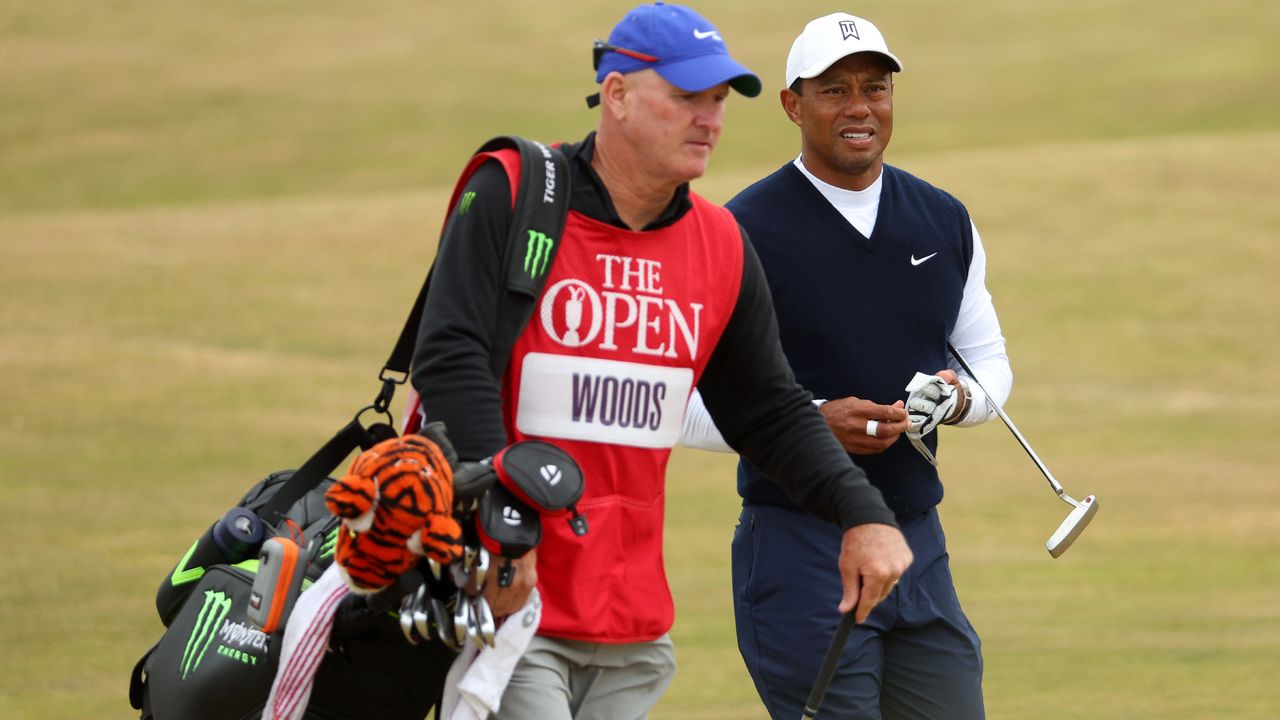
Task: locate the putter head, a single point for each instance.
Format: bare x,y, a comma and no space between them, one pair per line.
1071,528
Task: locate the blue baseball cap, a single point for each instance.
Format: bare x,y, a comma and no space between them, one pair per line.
678,43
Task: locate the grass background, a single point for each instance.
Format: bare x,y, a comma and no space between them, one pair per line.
213,215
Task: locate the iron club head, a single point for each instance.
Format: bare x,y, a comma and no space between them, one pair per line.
406,619
1071,528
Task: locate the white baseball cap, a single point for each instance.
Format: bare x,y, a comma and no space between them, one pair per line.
830,38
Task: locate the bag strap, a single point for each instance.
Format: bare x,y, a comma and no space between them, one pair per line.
541,206
318,467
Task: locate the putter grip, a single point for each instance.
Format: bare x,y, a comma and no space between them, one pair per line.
828,666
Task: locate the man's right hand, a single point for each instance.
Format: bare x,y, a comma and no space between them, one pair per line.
848,419
504,601
872,558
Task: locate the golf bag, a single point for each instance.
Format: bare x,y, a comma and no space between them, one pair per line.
227,601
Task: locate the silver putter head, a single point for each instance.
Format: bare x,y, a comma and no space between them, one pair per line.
1071,528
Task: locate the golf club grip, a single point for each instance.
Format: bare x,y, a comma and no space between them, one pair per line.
828,666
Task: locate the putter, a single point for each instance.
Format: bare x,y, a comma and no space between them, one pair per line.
828,668
1082,510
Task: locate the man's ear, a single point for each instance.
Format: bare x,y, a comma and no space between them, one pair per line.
790,104
613,93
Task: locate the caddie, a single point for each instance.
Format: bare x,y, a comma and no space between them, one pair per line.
653,291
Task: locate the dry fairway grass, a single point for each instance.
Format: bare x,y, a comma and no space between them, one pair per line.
213,216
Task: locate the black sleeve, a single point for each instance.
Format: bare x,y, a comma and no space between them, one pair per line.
451,369
762,412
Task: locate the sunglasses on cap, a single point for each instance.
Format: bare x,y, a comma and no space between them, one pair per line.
599,48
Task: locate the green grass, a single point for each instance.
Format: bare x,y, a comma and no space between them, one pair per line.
212,218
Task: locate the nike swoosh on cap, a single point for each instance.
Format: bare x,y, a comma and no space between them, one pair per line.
918,261
704,35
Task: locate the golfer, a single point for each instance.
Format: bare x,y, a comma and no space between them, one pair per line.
653,291
872,271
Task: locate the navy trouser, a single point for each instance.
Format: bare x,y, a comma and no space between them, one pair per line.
917,656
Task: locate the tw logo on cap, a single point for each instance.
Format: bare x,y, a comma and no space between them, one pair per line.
849,30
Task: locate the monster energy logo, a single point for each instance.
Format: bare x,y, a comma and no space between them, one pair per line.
216,607
538,253
465,204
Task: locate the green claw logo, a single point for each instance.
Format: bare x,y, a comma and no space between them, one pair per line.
208,622
465,204
538,253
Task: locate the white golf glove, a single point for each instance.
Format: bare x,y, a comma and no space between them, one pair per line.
930,401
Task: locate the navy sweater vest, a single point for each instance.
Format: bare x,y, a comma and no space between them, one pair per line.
858,316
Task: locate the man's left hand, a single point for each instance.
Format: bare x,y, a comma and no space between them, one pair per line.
932,400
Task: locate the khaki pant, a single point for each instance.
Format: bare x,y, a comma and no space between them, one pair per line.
571,680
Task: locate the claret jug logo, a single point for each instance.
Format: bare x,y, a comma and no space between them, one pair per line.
627,312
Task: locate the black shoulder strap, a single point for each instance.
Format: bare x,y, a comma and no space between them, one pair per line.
542,204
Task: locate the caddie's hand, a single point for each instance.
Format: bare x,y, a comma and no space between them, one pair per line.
504,601
872,558
864,427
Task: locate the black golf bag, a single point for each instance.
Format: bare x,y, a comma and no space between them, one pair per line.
217,658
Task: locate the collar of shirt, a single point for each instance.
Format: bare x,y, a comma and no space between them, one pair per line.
591,198
859,207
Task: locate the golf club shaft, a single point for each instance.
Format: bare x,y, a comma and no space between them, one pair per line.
828,666
1057,487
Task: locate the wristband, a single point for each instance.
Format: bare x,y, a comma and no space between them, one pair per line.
962,404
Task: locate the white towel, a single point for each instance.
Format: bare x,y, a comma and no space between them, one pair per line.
306,638
476,680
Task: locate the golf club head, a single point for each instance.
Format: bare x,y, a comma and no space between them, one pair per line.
1071,528
421,614
461,619
484,628
406,619
443,622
